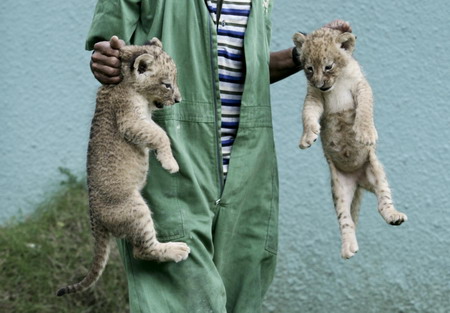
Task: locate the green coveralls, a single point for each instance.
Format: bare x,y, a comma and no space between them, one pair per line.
231,228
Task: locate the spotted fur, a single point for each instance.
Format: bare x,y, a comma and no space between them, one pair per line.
122,132
339,107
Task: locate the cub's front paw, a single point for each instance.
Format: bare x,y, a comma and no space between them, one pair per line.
367,137
309,136
170,164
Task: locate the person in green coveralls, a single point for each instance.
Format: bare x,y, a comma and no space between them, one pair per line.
231,225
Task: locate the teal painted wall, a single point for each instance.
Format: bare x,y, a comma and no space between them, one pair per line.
47,97
47,100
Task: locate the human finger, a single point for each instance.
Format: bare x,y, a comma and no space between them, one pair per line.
116,43
341,25
104,79
97,57
104,47
105,70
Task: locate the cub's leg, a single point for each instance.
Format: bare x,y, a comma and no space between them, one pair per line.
146,246
138,129
137,227
356,204
343,188
378,184
161,143
312,111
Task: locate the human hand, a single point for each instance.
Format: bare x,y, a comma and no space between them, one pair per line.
105,62
341,25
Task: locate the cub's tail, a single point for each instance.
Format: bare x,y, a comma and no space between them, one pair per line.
101,254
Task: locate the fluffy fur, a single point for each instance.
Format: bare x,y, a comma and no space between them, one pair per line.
339,107
122,133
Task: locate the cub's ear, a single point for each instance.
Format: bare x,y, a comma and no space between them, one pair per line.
143,64
299,40
154,42
346,41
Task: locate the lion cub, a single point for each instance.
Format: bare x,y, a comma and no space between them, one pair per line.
338,105
122,133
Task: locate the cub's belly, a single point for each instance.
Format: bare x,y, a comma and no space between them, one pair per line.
117,168
339,141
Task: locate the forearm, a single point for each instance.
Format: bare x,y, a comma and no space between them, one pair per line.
282,65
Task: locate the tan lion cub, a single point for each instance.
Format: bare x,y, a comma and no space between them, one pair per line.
122,133
338,105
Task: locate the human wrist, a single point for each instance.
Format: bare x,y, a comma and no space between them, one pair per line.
296,58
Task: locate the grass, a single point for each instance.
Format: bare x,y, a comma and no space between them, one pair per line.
51,249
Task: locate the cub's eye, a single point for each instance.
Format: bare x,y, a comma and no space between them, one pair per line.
309,69
329,67
168,86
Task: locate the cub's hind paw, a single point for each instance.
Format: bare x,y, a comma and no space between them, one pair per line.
349,249
174,251
396,218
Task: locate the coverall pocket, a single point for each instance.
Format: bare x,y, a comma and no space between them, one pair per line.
252,185
161,193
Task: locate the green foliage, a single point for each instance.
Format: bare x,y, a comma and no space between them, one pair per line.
51,249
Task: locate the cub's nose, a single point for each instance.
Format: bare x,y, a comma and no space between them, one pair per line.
177,99
177,95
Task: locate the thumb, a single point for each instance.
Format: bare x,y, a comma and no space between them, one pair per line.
116,43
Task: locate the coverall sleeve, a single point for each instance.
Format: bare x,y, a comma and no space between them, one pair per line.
113,17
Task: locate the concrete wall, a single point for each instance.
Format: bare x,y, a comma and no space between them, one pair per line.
47,100
47,97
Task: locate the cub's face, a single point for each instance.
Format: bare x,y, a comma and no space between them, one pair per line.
324,54
152,73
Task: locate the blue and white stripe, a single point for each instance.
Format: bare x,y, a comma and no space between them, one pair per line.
231,60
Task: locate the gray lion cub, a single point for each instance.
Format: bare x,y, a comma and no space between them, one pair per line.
122,132
338,106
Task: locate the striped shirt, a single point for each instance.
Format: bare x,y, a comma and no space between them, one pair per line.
231,61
